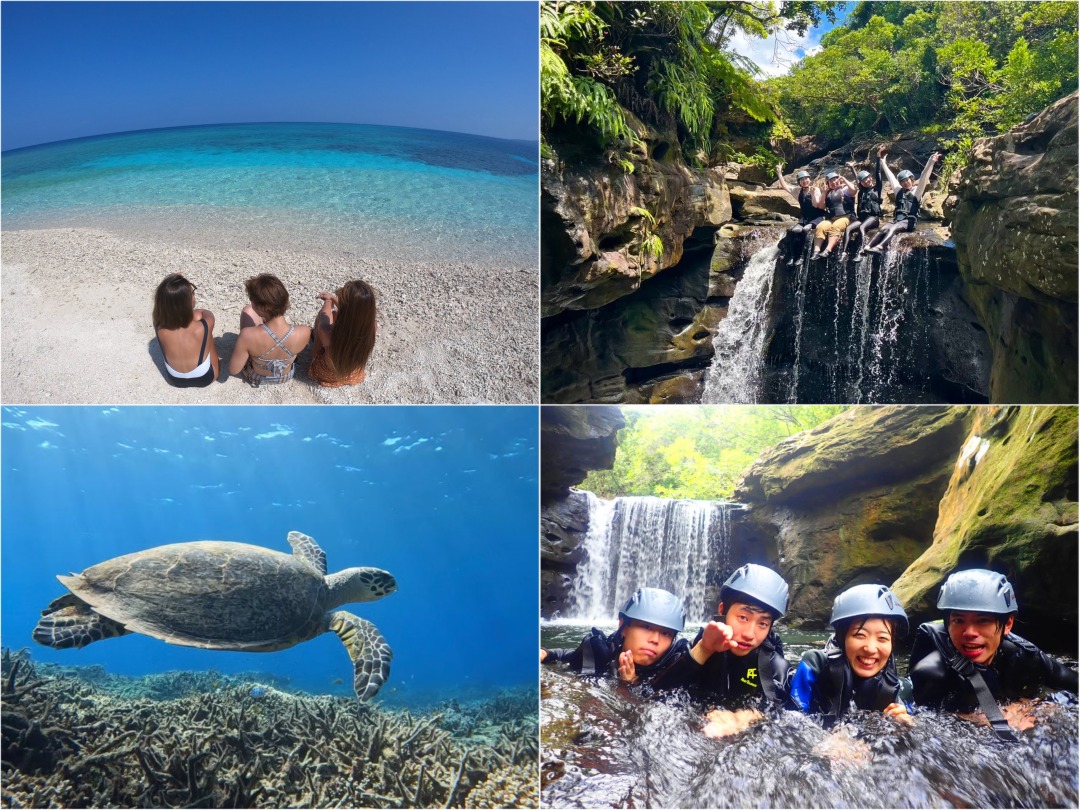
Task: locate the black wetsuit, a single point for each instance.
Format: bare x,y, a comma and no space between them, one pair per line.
598,654
869,202
1018,669
839,203
907,207
824,684
731,679
794,241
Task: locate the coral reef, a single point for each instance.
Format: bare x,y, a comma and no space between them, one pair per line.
75,738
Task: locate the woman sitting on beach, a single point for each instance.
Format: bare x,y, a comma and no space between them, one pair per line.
268,344
344,335
185,334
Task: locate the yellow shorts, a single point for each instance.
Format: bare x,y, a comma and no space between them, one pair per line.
834,228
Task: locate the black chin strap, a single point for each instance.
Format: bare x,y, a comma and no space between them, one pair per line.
987,703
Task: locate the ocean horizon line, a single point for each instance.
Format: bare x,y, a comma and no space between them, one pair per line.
524,141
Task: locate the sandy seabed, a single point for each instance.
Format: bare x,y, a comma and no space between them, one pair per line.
75,322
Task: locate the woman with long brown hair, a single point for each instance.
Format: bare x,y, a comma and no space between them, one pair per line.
185,334
344,335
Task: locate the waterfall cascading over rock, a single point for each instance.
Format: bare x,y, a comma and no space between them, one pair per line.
889,328
741,339
633,542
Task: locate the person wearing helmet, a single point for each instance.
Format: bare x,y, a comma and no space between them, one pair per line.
811,211
908,195
867,207
645,643
839,211
857,664
973,659
738,657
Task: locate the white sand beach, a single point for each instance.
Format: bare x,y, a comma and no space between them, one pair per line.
75,322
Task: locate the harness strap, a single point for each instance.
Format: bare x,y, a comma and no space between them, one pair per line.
989,706
766,674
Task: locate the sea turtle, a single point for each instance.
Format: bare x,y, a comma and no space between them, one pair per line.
224,596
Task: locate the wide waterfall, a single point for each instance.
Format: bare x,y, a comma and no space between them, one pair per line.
740,340
888,328
632,542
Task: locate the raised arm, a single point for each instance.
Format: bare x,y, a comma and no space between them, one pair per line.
890,176
790,189
928,169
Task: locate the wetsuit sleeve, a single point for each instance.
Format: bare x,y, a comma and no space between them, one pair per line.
1059,676
878,179
684,671
563,656
802,687
930,680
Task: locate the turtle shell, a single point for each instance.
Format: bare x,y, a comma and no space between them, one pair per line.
211,594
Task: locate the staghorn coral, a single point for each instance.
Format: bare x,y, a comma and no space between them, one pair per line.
69,742
516,786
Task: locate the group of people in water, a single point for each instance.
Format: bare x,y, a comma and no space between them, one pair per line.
851,209
970,659
341,339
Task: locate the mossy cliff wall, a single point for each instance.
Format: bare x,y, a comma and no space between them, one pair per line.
854,500
1014,219
1010,505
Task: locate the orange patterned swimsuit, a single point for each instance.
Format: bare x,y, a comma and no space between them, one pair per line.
322,371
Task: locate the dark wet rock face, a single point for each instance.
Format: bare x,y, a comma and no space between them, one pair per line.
574,441
1014,218
887,329
563,526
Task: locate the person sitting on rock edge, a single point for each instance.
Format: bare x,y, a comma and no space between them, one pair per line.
811,212
908,196
973,660
839,211
645,643
737,657
857,665
867,207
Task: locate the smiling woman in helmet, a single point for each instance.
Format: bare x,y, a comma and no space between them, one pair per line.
973,659
856,666
908,195
645,643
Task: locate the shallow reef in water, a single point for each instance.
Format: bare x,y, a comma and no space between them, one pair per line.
81,737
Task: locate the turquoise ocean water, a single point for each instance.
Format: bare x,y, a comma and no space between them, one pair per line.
443,498
419,193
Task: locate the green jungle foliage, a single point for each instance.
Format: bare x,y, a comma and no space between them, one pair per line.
665,62
962,69
699,453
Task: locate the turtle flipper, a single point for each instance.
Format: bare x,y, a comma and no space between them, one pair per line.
308,550
368,650
70,622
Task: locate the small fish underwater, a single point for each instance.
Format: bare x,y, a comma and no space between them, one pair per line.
221,680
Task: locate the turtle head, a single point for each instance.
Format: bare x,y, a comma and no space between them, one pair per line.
359,585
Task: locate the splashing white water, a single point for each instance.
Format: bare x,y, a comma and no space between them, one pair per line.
741,340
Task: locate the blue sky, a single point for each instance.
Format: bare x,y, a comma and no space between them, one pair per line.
775,56
75,69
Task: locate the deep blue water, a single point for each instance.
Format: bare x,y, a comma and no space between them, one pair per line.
445,498
348,179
